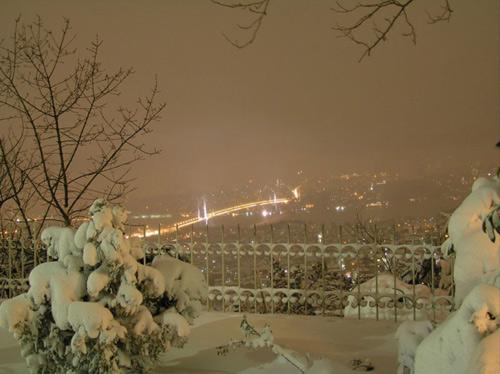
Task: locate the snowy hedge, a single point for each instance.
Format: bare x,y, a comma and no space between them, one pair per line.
96,309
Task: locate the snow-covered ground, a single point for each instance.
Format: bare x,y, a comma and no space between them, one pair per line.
339,340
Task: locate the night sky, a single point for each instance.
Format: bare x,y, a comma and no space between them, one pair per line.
296,98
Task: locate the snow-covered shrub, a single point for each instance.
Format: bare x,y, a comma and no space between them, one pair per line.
461,340
97,309
476,255
469,340
409,335
185,286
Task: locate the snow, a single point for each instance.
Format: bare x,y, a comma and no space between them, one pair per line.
173,319
91,231
153,278
90,254
144,322
331,342
14,313
183,282
80,238
335,339
93,317
409,335
119,216
386,287
109,243
97,281
102,215
129,298
136,250
485,359
59,241
476,254
53,283
454,343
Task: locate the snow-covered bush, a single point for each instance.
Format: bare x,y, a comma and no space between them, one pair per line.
96,309
476,255
409,335
469,340
460,343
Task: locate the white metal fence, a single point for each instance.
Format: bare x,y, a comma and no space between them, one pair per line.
381,281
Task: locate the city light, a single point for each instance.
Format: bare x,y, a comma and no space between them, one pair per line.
205,215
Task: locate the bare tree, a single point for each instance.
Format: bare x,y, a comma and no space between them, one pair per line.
6,192
16,196
366,22
256,11
84,147
379,18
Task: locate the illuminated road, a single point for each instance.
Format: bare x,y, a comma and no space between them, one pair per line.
216,213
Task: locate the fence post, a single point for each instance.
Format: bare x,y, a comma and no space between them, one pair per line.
452,269
433,301
207,263
143,244
323,247
395,286
9,253
177,246
255,266
223,275
238,245
375,247
22,242
272,268
288,269
159,236
414,296
358,268
35,252
341,270
192,244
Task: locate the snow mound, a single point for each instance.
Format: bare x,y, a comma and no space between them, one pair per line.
387,286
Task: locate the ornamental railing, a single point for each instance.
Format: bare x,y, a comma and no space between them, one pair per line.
359,280
389,281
